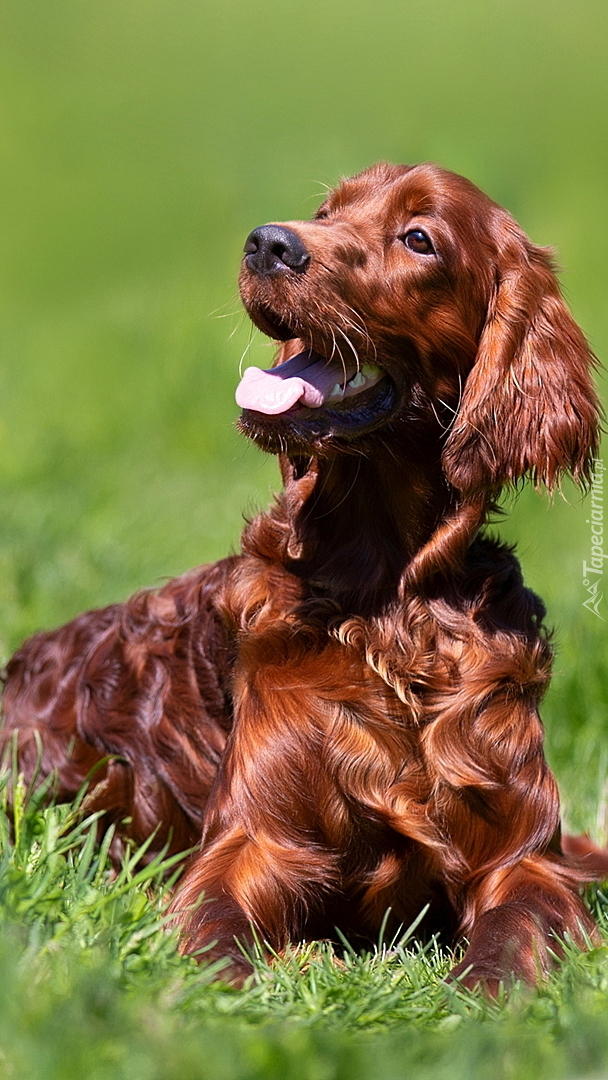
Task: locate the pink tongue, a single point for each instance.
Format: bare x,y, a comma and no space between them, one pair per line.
303,379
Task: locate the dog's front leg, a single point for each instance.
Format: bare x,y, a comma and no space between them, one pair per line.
524,913
264,868
497,804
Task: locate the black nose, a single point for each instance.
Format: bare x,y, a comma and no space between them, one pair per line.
273,249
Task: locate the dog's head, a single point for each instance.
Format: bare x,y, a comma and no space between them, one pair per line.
413,302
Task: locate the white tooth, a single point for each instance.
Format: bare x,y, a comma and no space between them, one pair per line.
336,391
357,380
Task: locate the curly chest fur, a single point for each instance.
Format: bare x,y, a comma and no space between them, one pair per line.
397,725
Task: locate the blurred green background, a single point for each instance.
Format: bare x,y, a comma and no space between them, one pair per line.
141,140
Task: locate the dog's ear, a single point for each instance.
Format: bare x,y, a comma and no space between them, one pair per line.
528,407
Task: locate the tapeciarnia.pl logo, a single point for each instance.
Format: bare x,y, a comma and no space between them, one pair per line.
593,571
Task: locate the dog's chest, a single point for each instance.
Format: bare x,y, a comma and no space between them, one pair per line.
337,708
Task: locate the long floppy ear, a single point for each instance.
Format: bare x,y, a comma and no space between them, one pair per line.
528,407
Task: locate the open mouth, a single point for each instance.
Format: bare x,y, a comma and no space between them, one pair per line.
310,399
306,380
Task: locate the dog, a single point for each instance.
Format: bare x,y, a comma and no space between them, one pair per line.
344,715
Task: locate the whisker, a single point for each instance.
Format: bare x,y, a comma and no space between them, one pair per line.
352,347
444,427
356,324
238,326
245,351
227,314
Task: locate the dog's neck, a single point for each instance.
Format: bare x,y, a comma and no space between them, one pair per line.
352,526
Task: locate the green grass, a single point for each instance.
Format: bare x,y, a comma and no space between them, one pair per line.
91,984
139,144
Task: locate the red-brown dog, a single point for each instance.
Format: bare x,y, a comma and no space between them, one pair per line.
347,712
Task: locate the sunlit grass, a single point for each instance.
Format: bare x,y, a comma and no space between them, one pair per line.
91,983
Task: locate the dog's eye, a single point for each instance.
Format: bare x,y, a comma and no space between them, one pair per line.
416,240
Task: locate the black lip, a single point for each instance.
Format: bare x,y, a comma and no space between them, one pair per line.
271,324
302,429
